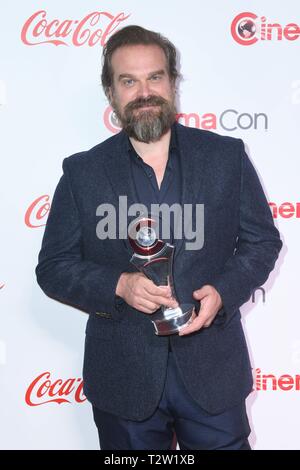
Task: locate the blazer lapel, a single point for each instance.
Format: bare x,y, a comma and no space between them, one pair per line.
118,171
193,160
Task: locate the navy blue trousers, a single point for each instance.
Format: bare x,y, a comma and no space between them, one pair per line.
177,414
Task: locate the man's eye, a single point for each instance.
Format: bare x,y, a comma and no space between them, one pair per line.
128,82
155,78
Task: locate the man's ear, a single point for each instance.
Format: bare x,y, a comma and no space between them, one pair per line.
110,94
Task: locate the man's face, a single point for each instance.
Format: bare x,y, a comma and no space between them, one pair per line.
142,94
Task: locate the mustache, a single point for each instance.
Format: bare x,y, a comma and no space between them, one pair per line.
149,101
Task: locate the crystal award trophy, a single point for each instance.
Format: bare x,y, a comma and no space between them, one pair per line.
154,258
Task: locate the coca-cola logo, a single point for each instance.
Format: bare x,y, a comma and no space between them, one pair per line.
37,212
43,390
94,28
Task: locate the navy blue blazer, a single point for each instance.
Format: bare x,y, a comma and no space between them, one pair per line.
125,362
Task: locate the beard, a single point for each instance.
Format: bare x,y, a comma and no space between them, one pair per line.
147,125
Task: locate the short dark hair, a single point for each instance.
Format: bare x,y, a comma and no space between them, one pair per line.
136,35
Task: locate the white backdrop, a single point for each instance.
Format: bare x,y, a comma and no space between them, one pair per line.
52,105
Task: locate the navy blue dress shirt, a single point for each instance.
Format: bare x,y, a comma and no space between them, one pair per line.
145,183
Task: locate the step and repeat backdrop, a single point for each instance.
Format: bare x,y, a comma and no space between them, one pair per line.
240,66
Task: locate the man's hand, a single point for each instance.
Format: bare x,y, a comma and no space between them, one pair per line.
142,294
211,303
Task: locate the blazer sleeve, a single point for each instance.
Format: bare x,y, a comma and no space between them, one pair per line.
257,248
61,271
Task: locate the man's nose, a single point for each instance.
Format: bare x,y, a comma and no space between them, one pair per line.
144,89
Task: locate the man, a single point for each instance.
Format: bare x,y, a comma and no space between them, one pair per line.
145,387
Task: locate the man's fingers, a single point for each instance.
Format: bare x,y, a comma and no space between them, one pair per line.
166,301
196,324
147,307
160,291
159,294
200,293
152,303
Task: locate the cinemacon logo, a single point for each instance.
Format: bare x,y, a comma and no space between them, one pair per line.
229,120
268,382
94,28
247,28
